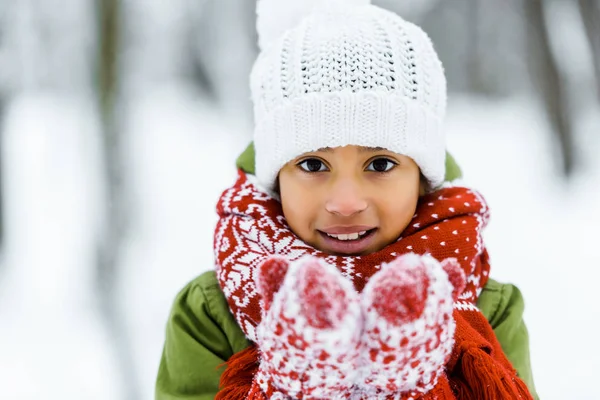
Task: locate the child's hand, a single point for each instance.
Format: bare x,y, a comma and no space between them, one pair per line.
310,330
409,330
320,339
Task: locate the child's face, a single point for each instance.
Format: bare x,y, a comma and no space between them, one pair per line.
349,190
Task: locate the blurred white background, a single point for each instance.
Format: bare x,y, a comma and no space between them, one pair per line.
120,121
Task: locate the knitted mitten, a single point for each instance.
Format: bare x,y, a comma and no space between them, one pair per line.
310,329
409,329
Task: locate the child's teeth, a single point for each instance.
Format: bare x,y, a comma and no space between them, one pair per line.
350,236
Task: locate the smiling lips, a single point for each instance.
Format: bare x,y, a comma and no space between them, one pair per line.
348,239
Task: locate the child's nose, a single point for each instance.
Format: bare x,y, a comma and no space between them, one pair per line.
346,198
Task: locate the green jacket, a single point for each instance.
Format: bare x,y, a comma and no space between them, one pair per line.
202,333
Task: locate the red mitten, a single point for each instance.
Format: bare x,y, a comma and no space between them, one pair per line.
310,330
409,329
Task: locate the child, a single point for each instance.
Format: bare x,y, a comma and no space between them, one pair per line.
348,265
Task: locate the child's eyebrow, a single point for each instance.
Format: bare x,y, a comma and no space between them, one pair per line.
370,149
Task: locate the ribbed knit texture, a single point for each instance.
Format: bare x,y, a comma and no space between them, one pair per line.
349,74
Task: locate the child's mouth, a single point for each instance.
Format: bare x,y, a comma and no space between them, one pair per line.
349,244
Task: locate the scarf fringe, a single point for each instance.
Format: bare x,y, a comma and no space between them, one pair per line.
480,376
237,379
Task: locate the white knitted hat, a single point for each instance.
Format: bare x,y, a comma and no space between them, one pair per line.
344,72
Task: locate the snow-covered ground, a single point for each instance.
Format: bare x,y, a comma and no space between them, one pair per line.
52,344
181,153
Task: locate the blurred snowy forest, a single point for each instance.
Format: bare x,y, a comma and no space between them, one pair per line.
120,121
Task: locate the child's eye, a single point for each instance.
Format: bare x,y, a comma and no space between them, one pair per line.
313,165
381,165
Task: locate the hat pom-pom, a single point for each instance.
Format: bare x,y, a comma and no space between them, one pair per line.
274,17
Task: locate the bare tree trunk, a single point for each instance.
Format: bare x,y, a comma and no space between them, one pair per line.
552,84
590,14
224,74
115,217
3,96
475,76
1,173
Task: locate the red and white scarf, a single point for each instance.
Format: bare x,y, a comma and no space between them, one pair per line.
447,224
